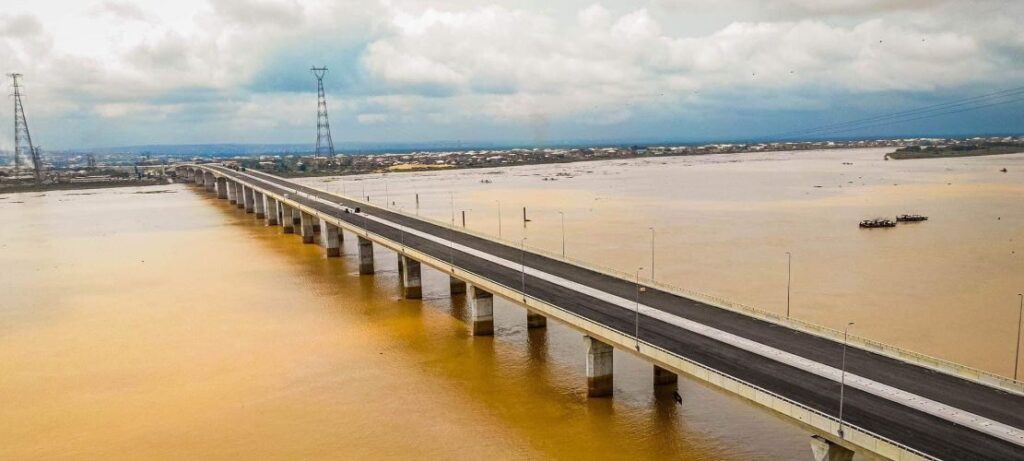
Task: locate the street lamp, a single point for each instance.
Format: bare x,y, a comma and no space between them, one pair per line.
1020,316
842,379
636,319
652,253
789,279
563,233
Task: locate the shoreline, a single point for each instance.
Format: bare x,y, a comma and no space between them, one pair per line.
529,162
950,153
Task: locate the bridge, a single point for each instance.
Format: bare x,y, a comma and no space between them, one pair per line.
850,394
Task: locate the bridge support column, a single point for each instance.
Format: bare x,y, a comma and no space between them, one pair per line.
306,227
535,320
239,195
296,216
599,368
257,204
197,177
222,188
365,256
824,450
210,182
409,275
329,238
248,199
232,193
286,218
481,311
270,205
663,376
456,286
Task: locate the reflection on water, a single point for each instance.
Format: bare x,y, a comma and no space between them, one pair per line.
174,326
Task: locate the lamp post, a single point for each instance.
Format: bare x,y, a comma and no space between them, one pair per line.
842,379
652,253
789,279
563,232
1020,316
636,318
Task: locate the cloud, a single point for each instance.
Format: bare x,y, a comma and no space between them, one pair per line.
122,10
461,68
250,13
19,26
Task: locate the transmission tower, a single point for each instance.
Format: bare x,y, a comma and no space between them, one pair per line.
22,138
324,144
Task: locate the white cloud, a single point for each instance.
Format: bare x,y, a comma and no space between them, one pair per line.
462,61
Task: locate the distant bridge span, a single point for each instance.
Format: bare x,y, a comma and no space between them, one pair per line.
897,404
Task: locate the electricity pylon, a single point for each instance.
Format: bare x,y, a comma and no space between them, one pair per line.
324,144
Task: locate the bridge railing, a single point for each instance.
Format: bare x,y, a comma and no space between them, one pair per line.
927,361
804,414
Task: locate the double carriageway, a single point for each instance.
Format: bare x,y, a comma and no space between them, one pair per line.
892,407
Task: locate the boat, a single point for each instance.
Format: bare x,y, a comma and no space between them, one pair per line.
877,222
911,218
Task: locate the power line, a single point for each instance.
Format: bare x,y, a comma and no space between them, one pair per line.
966,109
935,110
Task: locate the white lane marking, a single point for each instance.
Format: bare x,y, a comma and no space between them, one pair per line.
932,407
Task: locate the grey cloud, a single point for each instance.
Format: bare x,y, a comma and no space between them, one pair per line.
124,10
20,26
280,13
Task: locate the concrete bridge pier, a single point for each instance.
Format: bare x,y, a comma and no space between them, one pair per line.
329,236
287,226
823,449
599,368
198,178
222,188
481,311
456,286
296,216
535,320
270,205
239,195
248,199
257,203
409,275
210,182
365,256
232,192
306,227
663,376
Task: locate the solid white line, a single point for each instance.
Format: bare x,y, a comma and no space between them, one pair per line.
932,407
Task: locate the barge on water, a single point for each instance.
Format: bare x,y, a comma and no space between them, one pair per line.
911,218
878,222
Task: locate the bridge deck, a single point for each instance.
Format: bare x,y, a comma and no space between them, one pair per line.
937,436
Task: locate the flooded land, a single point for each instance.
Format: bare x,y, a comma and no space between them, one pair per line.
174,326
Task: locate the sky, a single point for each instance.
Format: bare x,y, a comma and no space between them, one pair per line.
118,73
